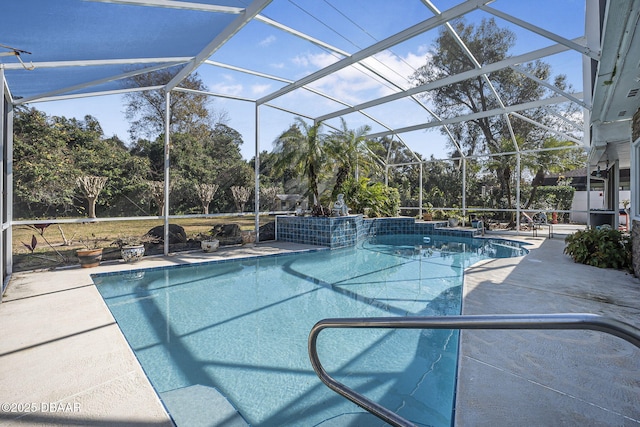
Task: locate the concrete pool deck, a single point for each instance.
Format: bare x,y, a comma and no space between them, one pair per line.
548,378
63,357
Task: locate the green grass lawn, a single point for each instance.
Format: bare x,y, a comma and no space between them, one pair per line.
57,253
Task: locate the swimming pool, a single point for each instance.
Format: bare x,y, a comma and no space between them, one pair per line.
241,327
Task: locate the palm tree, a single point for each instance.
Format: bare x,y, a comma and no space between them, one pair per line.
556,161
504,167
349,150
302,149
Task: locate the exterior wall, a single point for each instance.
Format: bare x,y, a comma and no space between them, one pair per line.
340,232
579,203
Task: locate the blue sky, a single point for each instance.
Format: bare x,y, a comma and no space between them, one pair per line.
349,26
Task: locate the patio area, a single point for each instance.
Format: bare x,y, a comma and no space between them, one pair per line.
64,357
548,378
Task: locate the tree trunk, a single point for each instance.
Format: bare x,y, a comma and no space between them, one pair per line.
92,206
537,181
341,177
507,180
91,186
240,196
205,193
506,186
160,202
157,191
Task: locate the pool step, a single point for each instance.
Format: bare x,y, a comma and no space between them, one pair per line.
199,405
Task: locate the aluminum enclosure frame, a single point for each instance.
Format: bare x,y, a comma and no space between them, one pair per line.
585,46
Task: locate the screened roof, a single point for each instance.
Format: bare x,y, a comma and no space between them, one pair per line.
321,60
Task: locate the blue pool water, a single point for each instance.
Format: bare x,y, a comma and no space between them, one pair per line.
242,328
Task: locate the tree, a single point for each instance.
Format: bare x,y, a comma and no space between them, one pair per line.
503,167
213,158
154,152
489,44
51,153
157,192
270,197
91,186
205,193
126,174
241,196
372,199
200,139
270,175
190,111
226,143
43,174
404,178
349,151
552,161
302,148
443,186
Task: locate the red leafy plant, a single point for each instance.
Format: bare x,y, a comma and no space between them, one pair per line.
40,228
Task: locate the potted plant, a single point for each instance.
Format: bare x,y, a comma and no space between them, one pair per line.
248,237
208,242
91,254
476,221
454,218
132,247
427,214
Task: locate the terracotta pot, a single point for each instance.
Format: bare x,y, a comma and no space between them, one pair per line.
89,257
248,237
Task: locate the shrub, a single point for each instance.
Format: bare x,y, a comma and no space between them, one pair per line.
377,199
604,248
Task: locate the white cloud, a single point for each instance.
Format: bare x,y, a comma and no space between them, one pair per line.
267,41
259,89
423,50
228,87
317,61
394,68
359,83
300,61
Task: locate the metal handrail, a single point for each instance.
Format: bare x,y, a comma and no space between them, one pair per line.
526,321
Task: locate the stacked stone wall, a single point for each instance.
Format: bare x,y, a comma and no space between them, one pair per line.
635,126
635,234
635,238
